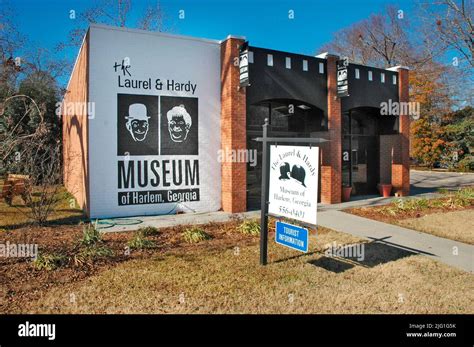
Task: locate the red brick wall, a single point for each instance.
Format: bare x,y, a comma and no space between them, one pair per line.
331,169
401,165
75,132
233,128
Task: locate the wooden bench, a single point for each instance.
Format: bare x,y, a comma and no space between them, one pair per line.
15,185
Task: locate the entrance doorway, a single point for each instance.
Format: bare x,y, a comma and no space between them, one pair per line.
360,147
288,118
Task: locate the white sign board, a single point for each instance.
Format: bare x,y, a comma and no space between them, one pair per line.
293,191
154,139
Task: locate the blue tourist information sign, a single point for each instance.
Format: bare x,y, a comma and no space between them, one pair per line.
291,236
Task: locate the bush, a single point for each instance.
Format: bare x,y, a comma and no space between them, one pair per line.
465,193
195,234
49,261
466,164
91,253
139,241
411,204
95,251
249,227
149,231
90,235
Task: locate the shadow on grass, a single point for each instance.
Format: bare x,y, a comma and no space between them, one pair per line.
68,220
368,255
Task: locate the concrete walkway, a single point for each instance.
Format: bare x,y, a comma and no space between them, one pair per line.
165,221
438,248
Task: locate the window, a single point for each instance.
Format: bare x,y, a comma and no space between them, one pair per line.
382,77
288,62
305,65
270,59
250,57
370,75
394,79
321,67
357,73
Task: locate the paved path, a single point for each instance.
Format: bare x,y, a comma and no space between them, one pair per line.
406,239
165,221
429,181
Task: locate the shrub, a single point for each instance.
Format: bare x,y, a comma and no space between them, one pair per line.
466,164
96,252
411,204
139,241
49,261
90,235
249,227
148,231
465,193
195,234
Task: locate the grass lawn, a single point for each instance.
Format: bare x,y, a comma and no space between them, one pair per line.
18,215
457,225
221,274
451,216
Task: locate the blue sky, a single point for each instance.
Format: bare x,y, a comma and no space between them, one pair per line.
264,23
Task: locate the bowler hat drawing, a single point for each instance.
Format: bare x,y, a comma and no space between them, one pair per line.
284,171
298,173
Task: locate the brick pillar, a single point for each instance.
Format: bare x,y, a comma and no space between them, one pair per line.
233,128
401,165
331,167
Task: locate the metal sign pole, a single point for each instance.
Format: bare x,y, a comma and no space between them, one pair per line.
264,197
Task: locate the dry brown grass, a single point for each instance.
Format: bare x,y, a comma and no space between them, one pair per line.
458,225
449,216
15,216
229,280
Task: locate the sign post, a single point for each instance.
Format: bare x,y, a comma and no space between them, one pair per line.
264,198
298,169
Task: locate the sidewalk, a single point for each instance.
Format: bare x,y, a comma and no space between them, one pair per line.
437,248
165,221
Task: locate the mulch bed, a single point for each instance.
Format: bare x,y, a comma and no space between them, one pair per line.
21,282
376,212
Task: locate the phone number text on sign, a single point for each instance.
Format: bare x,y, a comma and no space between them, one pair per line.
293,191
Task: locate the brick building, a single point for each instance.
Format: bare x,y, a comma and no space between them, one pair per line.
159,110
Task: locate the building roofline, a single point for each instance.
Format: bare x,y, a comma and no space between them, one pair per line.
398,67
155,33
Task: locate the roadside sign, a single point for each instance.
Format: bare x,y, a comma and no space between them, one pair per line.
293,191
294,176
291,236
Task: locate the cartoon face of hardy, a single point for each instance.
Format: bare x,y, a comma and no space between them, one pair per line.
137,121
179,123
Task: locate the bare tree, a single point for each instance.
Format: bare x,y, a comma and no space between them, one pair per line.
449,25
117,13
381,40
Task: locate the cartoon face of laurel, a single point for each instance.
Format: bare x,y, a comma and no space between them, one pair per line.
179,123
137,121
